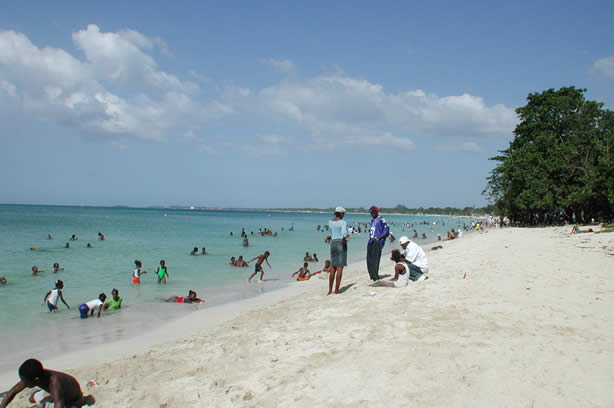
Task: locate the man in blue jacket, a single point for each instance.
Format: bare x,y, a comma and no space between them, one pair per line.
378,231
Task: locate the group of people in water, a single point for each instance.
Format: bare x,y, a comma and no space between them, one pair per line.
195,251
87,309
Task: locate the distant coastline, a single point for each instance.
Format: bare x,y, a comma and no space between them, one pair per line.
398,210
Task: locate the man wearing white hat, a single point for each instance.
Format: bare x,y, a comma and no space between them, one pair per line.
415,258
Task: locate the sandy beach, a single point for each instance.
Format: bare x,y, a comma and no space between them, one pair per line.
508,318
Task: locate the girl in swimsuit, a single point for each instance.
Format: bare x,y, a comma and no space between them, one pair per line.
136,275
162,272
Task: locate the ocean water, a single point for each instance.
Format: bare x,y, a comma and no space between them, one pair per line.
149,235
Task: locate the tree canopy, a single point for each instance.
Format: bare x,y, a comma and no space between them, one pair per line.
559,163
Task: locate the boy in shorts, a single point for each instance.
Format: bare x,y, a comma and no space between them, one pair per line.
258,268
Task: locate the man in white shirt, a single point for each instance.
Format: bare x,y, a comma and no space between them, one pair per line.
414,256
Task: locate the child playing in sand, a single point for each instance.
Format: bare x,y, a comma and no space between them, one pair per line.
51,298
303,273
258,268
325,271
57,388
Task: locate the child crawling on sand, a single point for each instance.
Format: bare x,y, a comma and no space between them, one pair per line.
57,389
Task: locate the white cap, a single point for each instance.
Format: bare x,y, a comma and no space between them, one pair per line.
339,210
403,240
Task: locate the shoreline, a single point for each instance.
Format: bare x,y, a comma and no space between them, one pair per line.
510,317
205,318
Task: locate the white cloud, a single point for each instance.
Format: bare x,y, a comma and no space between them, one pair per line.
284,66
339,109
55,85
605,66
119,57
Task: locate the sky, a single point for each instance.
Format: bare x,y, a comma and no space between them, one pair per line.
279,104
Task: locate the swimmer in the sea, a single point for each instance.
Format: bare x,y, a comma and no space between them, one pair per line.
101,236
194,251
258,268
56,268
49,236
35,270
162,272
51,298
233,261
136,275
67,245
89,245
240,261
56,388
191,298
3,281
204,252
74,237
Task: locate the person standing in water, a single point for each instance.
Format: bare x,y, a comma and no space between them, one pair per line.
162,272
338,249
258,268
136,274
51,298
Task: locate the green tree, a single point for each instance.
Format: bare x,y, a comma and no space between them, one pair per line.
559,161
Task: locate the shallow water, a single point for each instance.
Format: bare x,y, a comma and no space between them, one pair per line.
148,235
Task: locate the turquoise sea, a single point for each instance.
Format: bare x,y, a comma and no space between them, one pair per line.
149,235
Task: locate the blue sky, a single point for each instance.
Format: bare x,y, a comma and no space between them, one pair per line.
279,104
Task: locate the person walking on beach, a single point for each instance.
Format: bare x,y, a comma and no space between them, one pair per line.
378,231
258,268
338,249
415,258
51,298
60,388
162,272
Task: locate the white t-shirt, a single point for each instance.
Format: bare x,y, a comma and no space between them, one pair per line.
53,297
402,280
136,273
414,254
93,304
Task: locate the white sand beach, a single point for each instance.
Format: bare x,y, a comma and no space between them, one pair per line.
508,318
